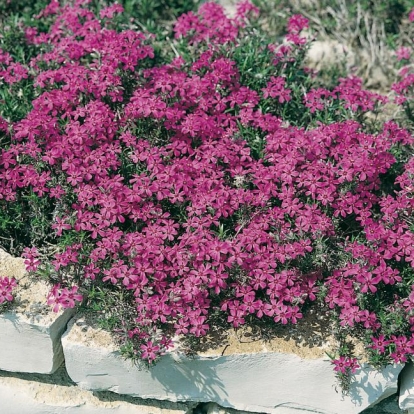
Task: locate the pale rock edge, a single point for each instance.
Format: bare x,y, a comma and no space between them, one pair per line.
272,383
269,382
32,345
31,394
406,397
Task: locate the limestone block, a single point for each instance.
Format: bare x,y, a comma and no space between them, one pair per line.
29,331
229,7
406,400
323,53
31,394
266,382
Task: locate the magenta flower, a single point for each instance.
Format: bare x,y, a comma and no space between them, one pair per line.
150,351
379,343
344,364
411,15
403,53
31,261
110,11
6,286
276,89
63,297
297,23
60,225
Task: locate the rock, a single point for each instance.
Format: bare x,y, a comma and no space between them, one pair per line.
29,332
324,53
266,382
31,346
229,7
30,394
387,406
406,400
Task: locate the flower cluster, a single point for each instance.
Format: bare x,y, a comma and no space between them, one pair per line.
31,256
11,71
6,286
345,365
63,297
197,191
211,24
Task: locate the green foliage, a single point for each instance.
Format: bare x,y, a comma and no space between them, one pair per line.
371,29
25,222
326,14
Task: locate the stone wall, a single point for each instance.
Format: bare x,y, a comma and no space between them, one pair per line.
62,363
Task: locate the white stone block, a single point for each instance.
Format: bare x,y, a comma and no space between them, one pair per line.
27,395
29,332
267,382
31,345
406,399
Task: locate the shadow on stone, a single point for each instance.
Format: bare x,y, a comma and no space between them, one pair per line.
386,406
59,377
190,377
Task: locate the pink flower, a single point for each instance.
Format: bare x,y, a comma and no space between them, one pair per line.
31,261
297,23
63,298
60,225
236,317
276,89
379,343
317,99
110,11
6,286
411,15
69,296
246,7
403,53
282,314
341,364
149,351
345,364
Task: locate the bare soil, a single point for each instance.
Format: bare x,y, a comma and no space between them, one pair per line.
30,294
310,338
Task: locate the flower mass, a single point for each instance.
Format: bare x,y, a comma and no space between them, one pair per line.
212,179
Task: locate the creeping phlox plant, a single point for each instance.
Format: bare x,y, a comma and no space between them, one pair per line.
207,179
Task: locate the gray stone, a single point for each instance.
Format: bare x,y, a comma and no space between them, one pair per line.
34,394
406,400
274,383
31,346
29,332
